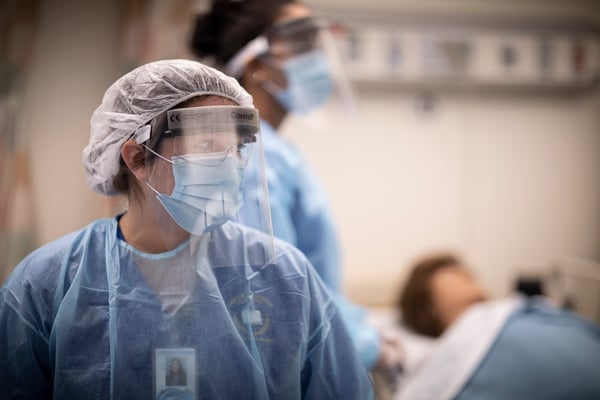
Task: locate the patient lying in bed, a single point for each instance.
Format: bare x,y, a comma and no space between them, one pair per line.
459,345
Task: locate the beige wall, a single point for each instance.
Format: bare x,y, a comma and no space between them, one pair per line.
74,62
509,180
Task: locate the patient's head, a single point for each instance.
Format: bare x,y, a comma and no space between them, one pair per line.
437,291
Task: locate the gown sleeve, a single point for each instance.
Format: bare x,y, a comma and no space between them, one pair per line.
24,351
27,310
332,369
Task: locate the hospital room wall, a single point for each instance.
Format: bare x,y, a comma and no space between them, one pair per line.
74,61
510,180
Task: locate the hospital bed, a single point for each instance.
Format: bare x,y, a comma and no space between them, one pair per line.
517,348
575,283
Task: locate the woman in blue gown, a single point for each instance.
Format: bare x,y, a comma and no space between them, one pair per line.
98,313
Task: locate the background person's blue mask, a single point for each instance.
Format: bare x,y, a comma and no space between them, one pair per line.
207,192
309,82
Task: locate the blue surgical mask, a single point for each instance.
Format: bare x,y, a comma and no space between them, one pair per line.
309,83
207,192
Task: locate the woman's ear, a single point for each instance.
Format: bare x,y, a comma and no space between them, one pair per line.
254,74
133,156
257,72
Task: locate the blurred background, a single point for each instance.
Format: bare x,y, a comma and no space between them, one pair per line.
476,130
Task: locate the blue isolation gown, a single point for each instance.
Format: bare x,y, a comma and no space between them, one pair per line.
79,320
301,216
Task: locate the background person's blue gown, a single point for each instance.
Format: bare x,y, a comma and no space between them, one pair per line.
301,216
79,321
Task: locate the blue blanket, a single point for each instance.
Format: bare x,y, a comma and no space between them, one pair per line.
517,348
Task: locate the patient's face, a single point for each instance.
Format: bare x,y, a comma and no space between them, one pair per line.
453,291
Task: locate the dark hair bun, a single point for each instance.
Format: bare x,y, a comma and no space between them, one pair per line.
230,24
204,35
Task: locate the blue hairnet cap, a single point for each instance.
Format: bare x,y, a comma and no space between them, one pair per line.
138,97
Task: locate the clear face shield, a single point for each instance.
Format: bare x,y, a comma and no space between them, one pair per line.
304,50
199,293
296,37
198,166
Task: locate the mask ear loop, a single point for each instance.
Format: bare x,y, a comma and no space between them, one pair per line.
275,91
260,77
159,156
156,154
272,88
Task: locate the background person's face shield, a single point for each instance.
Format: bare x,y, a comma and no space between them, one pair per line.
295,37
305,51
197,167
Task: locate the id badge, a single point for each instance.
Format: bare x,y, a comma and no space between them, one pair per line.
175,374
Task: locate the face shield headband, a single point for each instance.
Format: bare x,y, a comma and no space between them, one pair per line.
206,129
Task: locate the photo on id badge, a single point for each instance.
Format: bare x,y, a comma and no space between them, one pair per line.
175,374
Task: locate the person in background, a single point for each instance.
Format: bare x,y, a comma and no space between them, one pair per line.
437,291
99,312
518,347
275,49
